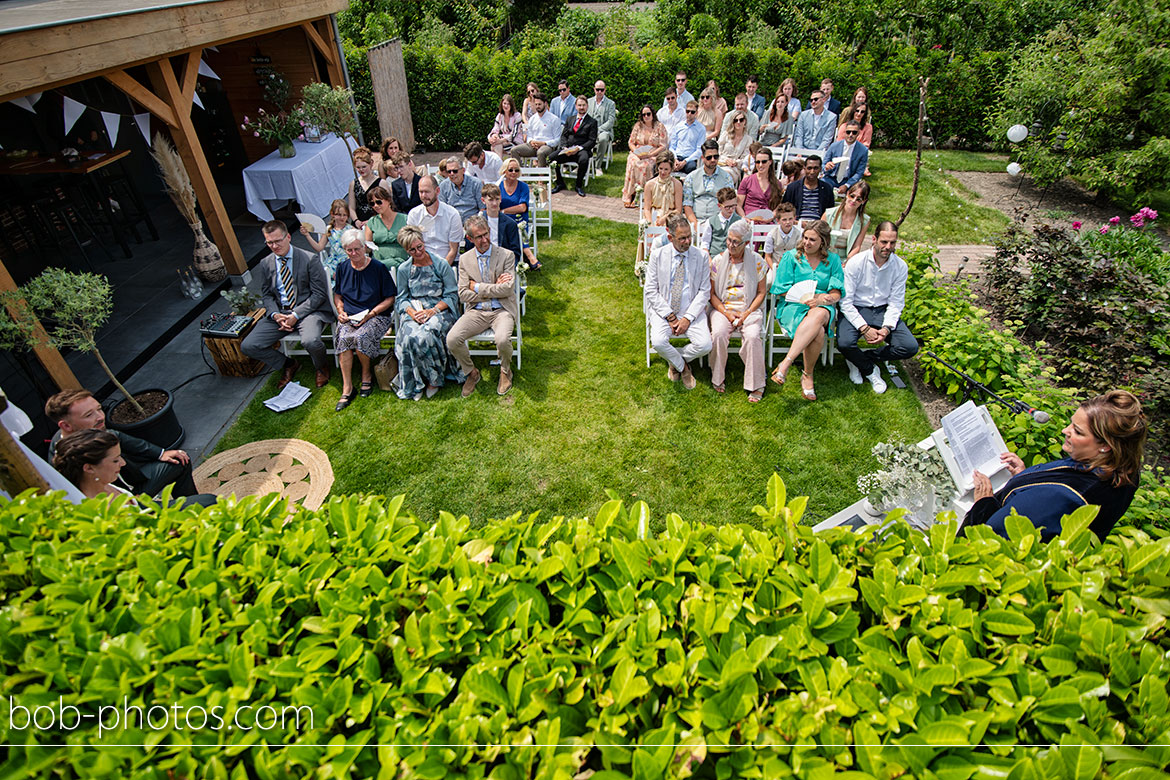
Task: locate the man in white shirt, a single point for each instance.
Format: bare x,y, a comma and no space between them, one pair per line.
440,223
483,165
544,134
871,309
564,105
678,288
680,87
671,112
815,129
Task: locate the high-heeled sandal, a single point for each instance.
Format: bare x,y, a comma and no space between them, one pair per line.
809,393
779,376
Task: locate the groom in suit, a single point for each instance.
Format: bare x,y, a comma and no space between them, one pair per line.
578,138
295,292
487,288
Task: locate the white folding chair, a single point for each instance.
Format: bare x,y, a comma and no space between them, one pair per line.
540,184
291,345
487,339
760,235
776,333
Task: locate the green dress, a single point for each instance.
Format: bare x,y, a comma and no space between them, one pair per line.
792,269
389,253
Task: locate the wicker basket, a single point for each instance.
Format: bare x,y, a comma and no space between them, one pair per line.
227,355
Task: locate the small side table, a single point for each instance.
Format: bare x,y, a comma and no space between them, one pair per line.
227,355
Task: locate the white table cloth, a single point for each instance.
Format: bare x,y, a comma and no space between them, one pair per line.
314,178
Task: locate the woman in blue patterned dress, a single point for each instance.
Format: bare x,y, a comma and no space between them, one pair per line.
425,310
808,321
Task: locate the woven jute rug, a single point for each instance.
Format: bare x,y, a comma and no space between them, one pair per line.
296,469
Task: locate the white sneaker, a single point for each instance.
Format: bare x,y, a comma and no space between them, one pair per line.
879,386
854,373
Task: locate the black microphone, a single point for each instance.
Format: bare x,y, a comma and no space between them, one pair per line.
1016,405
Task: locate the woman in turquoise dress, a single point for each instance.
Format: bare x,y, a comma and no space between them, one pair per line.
425,310
382,229
810,321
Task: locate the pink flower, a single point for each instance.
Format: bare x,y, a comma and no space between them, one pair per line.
1114,220
246,120
1104,229
1076,225
302,123
301,137
1137,220
1148,213
257,134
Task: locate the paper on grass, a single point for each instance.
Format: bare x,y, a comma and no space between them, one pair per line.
314,223
801,291
973,444
293,395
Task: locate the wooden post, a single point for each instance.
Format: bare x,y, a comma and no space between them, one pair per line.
171,102
17,474
922,84
49,357
320,35
388,74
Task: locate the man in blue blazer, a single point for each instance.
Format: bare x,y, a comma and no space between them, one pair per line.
844,175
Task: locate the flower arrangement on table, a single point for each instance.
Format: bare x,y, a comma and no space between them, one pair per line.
910,477
281,127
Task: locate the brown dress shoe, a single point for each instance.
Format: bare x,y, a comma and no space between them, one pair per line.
470,383
688,379
323,377
672,373
505,383
287,374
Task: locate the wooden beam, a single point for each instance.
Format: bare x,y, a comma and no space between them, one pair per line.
17,473
48,357
334,64
318,42
33,60
142,96
190,74
162,76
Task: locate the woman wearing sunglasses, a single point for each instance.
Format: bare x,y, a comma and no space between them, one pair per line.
647,141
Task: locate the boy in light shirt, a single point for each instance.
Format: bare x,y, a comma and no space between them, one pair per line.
713,231
786,235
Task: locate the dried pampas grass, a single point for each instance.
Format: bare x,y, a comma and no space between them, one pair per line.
175,177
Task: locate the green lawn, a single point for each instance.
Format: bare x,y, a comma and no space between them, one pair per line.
944,210
586,415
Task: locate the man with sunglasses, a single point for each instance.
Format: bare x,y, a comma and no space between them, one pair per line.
680,86
578,140
295,293
816,128
604,112
564,105
671,113
686,140
702,185
844,175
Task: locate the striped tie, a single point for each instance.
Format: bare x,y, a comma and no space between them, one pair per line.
286,280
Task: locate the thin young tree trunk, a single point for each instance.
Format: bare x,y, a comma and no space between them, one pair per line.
126,393
922,84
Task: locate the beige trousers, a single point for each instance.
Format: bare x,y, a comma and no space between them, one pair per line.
474,322
751,351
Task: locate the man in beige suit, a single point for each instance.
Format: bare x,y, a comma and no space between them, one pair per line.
487,287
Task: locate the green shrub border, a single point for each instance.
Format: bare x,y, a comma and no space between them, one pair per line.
454,95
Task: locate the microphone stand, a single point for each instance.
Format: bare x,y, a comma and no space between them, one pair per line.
971,383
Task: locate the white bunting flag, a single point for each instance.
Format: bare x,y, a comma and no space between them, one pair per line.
198,102
34,97
73,112
205,70
24,103
143,122
112,121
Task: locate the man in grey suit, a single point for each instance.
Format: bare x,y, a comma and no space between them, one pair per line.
603,110
487,288
678,288
295,292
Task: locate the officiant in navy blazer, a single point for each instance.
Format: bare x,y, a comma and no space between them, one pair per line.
580,136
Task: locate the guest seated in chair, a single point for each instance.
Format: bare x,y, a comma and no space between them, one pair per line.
484,166
849,222
363,294
365,178
424,311
577,141
1104,444
844,175
810,320
543,132
514,197
875,293
785,236
713,231
328,246
92,460
702,185
738,290
604,112
503,229
686,140
148,468
508,130
664,193
461,191
675,298
438,221
295,291
487,287
382,229
811,195
405,188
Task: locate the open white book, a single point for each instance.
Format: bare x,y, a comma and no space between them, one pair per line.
975,444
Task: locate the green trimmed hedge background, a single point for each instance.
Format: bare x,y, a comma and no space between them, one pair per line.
454,95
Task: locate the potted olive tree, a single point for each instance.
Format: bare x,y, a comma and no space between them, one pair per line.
328,110
71,308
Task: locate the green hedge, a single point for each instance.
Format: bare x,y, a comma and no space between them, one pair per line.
524,649
454,95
